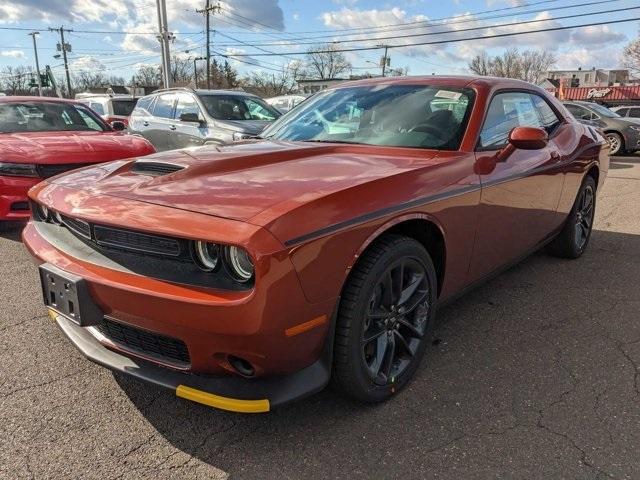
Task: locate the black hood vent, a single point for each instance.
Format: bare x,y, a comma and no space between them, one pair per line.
155,168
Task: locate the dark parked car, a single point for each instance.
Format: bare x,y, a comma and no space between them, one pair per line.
182,117
623,134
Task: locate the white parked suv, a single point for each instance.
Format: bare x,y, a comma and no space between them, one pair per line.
110,107
285,103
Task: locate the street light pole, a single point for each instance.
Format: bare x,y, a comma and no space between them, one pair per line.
64,47
35,51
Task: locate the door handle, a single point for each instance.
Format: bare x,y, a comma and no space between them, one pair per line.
555,155
172,127
146,124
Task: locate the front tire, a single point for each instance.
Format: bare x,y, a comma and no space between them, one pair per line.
616,143
574,237
386,312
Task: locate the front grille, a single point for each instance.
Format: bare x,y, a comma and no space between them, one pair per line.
46,171
155,168
150,344
140,242
79,227
19,207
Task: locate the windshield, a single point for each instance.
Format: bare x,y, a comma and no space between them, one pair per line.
391,115
229,107
603,111
47,117
124,107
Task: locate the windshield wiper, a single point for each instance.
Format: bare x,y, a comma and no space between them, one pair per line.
332,141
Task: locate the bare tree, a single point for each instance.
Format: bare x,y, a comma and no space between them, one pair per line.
271,84
86,80
529,65
631,56
15,80
481,64
181,71
148,76
325,61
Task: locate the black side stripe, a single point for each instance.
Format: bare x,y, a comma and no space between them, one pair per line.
383,212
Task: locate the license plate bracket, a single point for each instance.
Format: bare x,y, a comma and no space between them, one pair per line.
68,295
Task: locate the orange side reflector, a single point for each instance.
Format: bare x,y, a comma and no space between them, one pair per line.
303,327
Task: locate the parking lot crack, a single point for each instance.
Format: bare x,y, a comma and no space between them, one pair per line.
42,384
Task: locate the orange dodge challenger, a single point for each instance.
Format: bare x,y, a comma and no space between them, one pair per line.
246,276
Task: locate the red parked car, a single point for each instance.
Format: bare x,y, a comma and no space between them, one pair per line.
244,277
42,137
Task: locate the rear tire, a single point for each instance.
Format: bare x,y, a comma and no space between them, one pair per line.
384,320
574,236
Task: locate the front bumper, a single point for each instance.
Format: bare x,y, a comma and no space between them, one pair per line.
13,197
226,393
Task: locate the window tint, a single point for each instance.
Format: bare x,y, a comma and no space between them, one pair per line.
186,104
229,107
507,111
164,106
418,116
144,104
622,112
123,107
578,112
634,112
47,117
97,107
548,117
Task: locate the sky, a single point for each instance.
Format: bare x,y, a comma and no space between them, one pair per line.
116,36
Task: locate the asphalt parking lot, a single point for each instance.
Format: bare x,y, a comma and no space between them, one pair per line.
534,375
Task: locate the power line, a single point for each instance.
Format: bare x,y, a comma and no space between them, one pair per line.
441,32
440,42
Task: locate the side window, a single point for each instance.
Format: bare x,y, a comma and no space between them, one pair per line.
579,112
91,123
548,117
97,107
144,104
164,106
634,112
623,112
186,104
507,111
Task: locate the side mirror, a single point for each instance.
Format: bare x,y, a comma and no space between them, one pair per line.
528,138
191,118
118,126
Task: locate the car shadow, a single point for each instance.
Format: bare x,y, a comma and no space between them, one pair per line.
494,364
13,231
619,163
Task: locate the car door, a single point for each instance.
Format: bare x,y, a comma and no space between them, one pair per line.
520,193
158,128
186,134
633,113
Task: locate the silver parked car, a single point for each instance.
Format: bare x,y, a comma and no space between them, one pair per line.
284,103
182,117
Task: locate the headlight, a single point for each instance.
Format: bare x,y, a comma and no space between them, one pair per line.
239,263
18,169
207,255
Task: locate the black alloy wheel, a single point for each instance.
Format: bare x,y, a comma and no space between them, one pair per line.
386,312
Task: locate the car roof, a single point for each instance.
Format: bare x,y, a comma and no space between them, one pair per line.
459,81
17,99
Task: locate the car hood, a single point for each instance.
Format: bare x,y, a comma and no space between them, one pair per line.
70,147
244,180
252,127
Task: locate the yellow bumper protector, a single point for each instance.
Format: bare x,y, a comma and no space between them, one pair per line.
223,403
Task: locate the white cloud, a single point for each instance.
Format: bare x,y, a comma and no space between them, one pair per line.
12,53
88,63
588,58
597,35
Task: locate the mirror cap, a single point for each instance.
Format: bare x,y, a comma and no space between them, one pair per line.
528,138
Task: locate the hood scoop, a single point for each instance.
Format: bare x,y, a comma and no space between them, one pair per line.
155,169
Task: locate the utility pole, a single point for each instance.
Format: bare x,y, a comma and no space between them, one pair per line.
207,11
65,47
165,36
195,69
35,51
384,59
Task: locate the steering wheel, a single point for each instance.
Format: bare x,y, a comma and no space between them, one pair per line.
427,128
